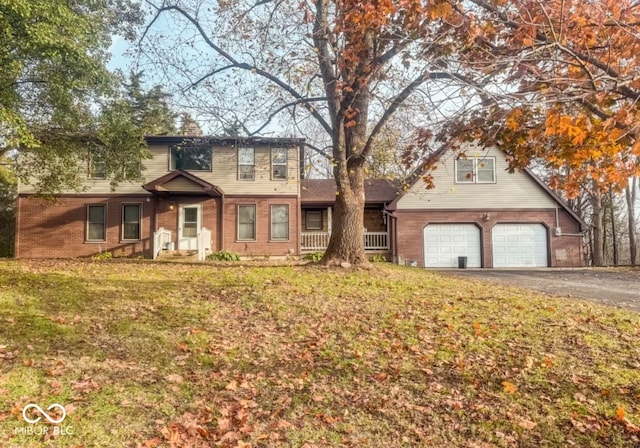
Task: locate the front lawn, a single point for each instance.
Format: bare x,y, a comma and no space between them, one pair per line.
146,354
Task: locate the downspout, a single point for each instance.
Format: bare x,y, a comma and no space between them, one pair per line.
16,245
393,233
221,223
154,226
299,223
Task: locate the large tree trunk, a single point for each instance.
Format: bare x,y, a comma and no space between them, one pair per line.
347,238
631,208
347,235
598,237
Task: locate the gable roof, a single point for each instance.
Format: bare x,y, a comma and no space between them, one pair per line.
417,176
183,182
323,191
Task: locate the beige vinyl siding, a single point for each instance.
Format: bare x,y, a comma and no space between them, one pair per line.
182,184
515,190
223,175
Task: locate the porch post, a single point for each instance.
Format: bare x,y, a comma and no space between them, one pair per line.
329,224
387,218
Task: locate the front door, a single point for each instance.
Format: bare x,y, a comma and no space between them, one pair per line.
189,224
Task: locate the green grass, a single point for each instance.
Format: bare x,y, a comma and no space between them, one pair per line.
148,354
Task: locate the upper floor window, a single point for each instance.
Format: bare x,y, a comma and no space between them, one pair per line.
190,158
476,170
97,166
278,163
246,164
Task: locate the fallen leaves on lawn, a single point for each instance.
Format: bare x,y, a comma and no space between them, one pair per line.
509,387
237,356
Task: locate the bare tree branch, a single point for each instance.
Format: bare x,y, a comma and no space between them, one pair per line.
236,64
280,109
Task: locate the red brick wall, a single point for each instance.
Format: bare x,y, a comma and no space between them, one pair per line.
262,245
410,225
58,230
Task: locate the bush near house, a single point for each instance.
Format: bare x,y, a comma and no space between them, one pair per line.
223,255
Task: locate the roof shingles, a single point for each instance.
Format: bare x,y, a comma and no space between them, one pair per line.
376,191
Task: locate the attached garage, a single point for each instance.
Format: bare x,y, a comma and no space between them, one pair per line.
519,246
444,243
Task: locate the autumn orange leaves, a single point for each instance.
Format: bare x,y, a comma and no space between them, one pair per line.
575,66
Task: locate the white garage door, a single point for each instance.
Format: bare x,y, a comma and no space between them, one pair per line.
519,245
444,243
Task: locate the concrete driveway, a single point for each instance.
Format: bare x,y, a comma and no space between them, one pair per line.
619,287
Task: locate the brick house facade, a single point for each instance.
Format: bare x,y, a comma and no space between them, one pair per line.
245,192
250,195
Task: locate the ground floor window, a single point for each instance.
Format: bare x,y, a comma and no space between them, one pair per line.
96,222
313,220
247,222
131,214
280,222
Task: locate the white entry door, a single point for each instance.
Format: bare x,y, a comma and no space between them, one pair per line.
189,224
444,243
519,246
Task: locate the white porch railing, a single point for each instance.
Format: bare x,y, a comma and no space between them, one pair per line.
376,241
204,243
161,238
314,240
320,240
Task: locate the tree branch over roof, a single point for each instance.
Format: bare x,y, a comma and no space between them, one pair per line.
237,64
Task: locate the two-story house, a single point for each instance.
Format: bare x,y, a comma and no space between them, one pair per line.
241,195
248,196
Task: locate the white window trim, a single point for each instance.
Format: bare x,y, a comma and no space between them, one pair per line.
104,224
255,222
271,238
474,175
253,165
122,238
284,164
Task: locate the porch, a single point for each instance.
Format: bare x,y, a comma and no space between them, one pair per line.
318,241
317,225
163,244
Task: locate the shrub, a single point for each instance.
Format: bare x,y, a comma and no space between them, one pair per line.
102,256
223,255
379,259
314,256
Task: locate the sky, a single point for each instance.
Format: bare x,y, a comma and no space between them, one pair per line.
119,60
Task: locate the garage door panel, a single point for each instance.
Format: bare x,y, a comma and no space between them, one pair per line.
444,243
519,245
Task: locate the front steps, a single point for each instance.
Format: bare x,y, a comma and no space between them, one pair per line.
178,255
